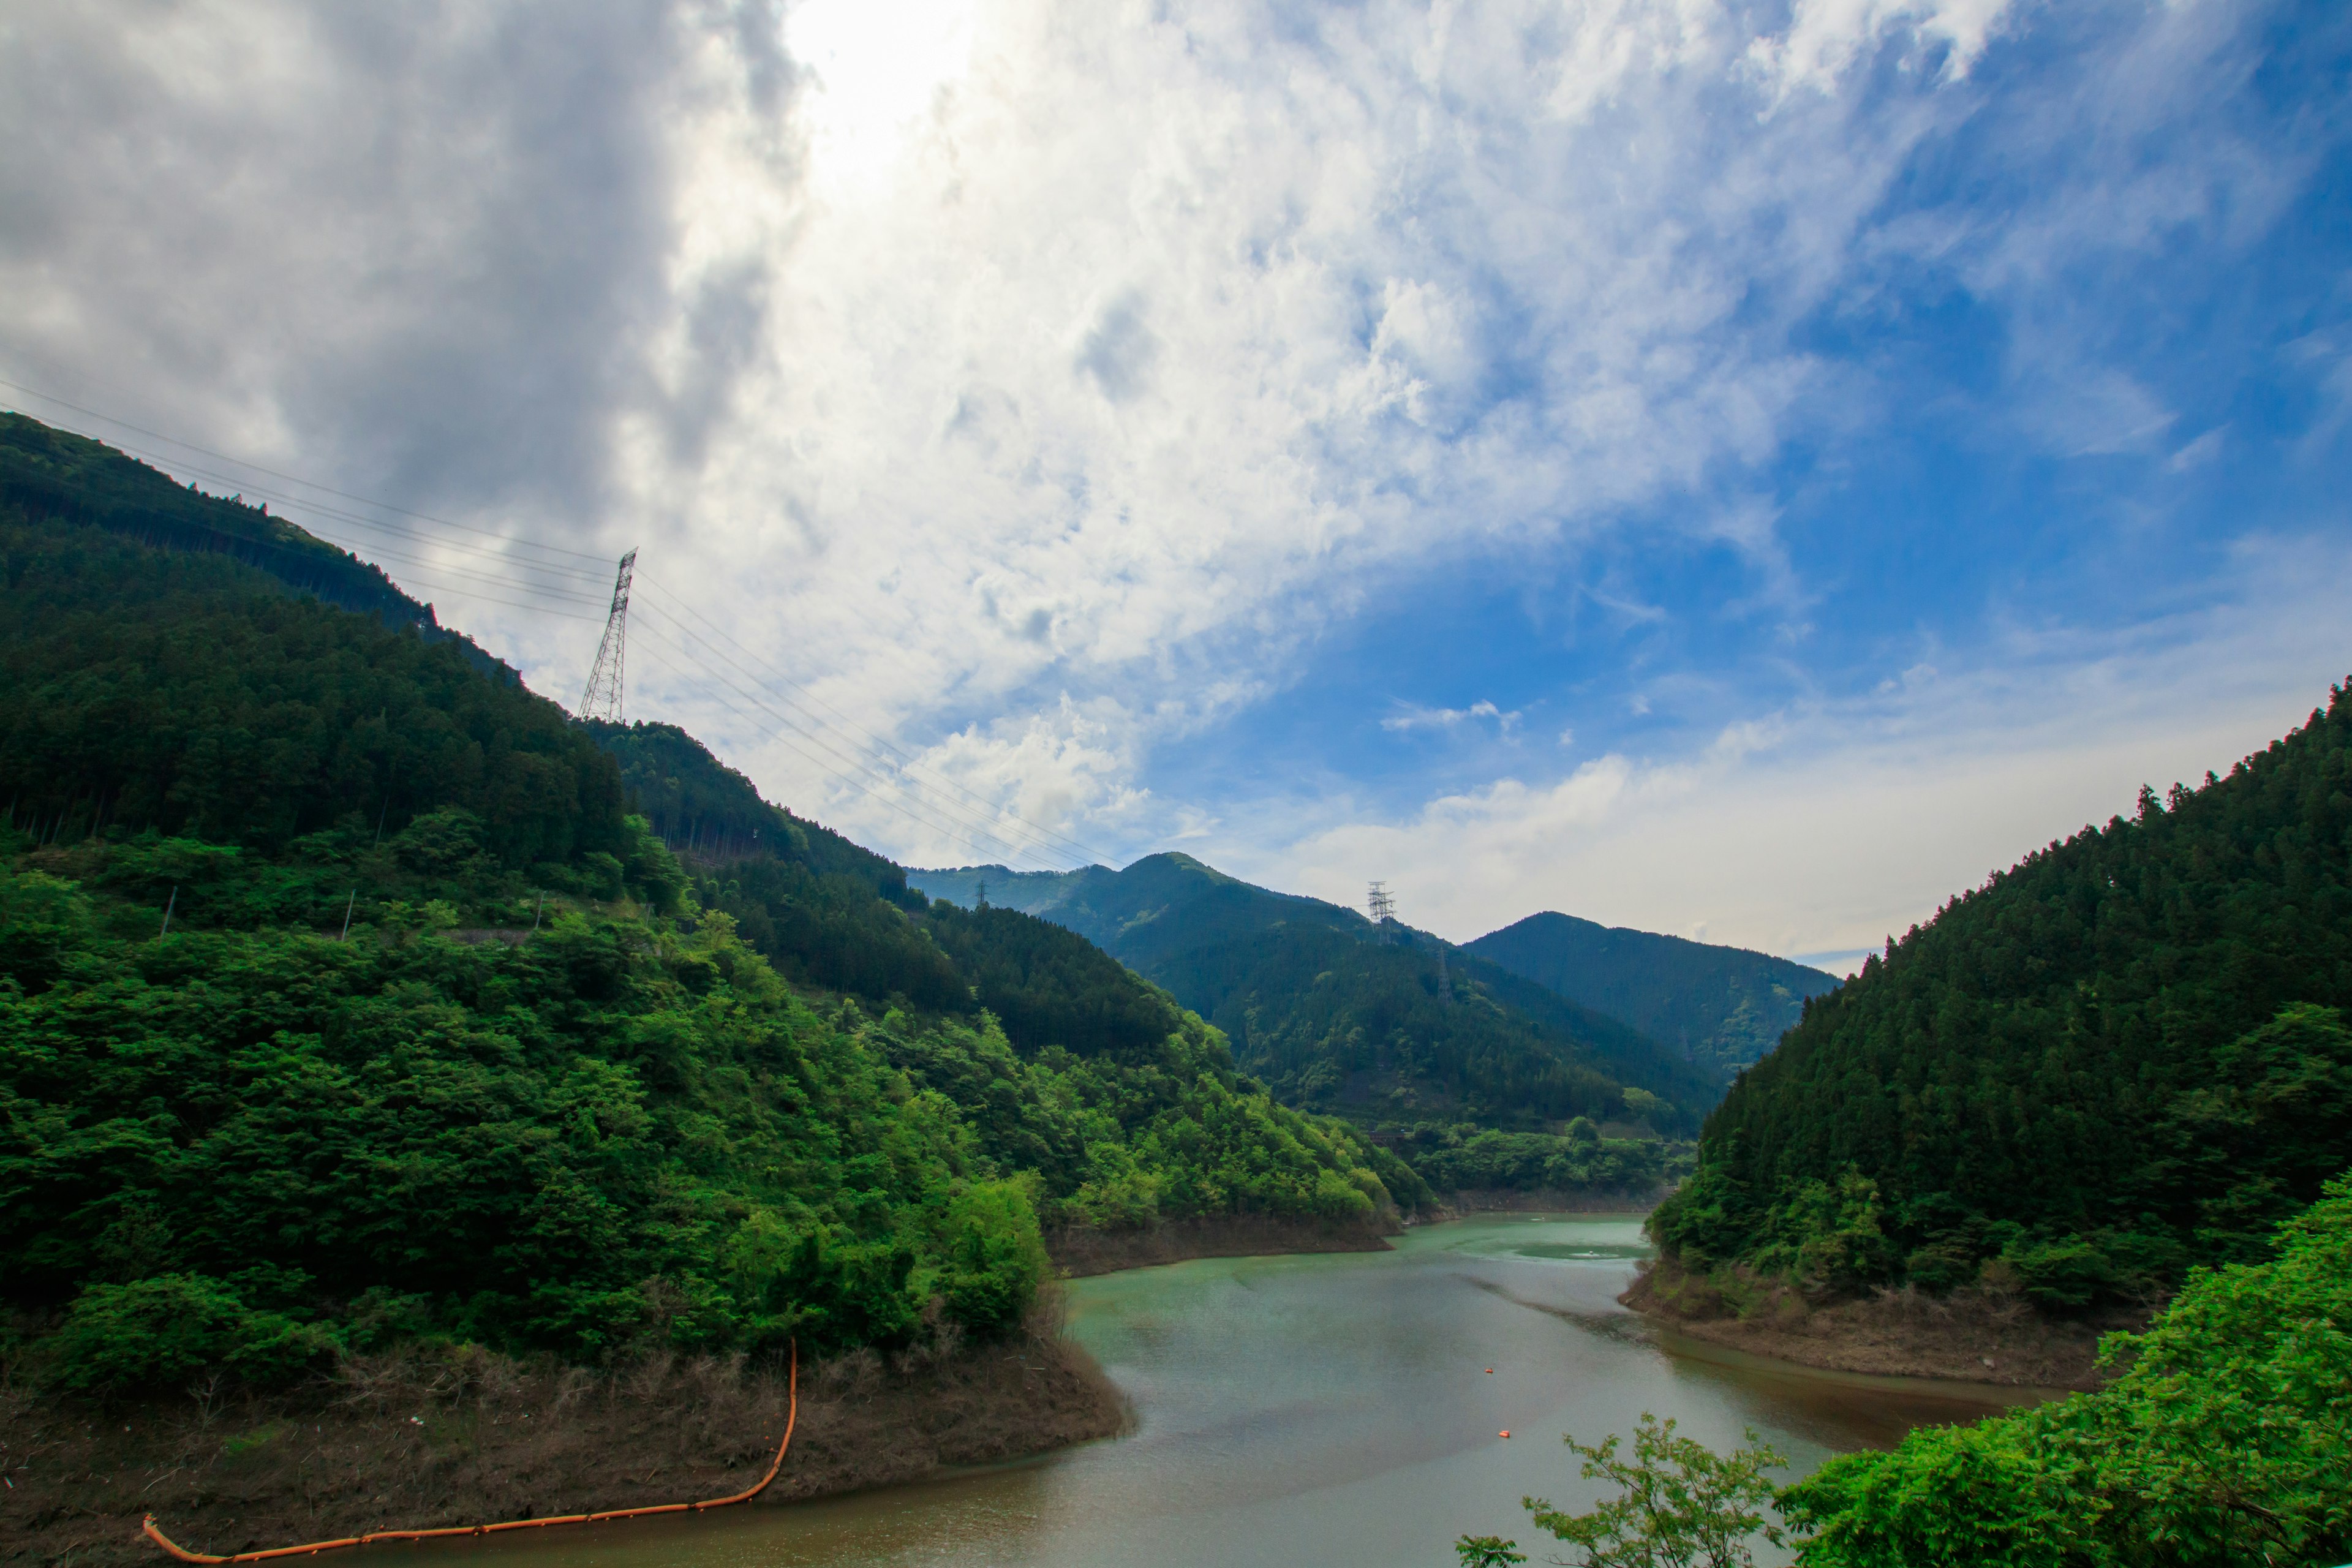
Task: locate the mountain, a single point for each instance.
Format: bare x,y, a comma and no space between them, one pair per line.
1384,1024
347,1000
2125,1056
1723,1006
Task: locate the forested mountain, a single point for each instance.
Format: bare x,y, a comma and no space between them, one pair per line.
1722,1005
1384,1024
2124,1055
49,472
343,998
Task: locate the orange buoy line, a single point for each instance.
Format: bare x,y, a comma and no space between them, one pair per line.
311,1549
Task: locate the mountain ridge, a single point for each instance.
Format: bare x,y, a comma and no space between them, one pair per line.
1725,1004
1383,1023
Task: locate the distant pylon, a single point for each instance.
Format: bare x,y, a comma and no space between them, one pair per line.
604,696
1382,906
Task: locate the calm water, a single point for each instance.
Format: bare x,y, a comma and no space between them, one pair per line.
1301,1410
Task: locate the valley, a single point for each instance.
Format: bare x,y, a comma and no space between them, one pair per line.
382,1049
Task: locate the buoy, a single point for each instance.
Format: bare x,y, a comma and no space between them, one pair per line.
1490,1372
1506,1431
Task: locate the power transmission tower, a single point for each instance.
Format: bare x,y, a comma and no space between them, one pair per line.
602,700
1382,906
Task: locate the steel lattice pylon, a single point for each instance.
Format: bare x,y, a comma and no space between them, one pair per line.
602,700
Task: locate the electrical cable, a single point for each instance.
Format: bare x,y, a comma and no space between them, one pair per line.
895,772
273,473
1035,842
902,760
783,730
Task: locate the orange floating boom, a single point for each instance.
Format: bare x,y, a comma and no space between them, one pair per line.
312,1548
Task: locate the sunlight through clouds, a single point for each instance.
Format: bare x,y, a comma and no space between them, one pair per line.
1250,423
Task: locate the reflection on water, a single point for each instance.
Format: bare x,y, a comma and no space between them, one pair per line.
1326,1409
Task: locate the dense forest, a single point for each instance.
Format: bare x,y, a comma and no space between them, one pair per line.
343,999
2125,1056
1725,1006
2224,1438
1384,1025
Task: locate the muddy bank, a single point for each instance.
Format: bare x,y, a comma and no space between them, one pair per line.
1968,1336
1548,1201
424,1442
1081,1252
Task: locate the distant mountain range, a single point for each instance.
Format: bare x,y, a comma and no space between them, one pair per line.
1382,1022
1724,1005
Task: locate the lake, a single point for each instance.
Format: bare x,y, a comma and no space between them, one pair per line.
1320,1409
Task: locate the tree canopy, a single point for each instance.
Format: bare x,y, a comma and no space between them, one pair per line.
2124,1055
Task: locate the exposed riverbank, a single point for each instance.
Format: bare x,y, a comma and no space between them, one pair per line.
1083,1252
1967,1337
419,1443
1546,1201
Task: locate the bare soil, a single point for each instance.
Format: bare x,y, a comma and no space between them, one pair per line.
1540,1200
422,1441
1968,1336
1081,1252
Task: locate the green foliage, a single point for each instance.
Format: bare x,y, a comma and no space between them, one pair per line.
2227,1438
1487,1551
1722,1005
993,1259
1454,1158
191,695
2125,1053
444,1043
45,472
1378,1024
1682,1505
171,1329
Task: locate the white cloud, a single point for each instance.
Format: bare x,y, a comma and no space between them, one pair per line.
1825,37
1415,717
1035,380
1835,825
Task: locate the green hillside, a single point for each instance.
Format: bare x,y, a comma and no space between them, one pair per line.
1723,1006
443,1041
2125,1056
1385,1024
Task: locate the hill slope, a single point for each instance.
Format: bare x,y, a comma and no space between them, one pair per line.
1723,1006
2125,1056
345,1001
1384,1024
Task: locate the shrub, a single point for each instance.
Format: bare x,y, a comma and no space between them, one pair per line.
160,1333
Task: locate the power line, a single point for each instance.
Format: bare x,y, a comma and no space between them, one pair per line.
782,732
894,771
894,758
844,768
1019,832
273,473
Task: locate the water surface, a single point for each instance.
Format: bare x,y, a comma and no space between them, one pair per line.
1309,1410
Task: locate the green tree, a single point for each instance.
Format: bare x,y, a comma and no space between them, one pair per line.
2226,1438
1683,1506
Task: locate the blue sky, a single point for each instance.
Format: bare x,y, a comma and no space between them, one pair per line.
1746,471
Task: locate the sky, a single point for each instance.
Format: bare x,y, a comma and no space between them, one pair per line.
1749,471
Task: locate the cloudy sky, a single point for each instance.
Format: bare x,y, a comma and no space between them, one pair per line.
1743,470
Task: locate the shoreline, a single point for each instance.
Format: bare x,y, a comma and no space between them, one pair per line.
424,1442
1080,1254
1966,1338
1565,1204
467,1439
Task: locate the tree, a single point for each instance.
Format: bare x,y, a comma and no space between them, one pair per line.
1684,1505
